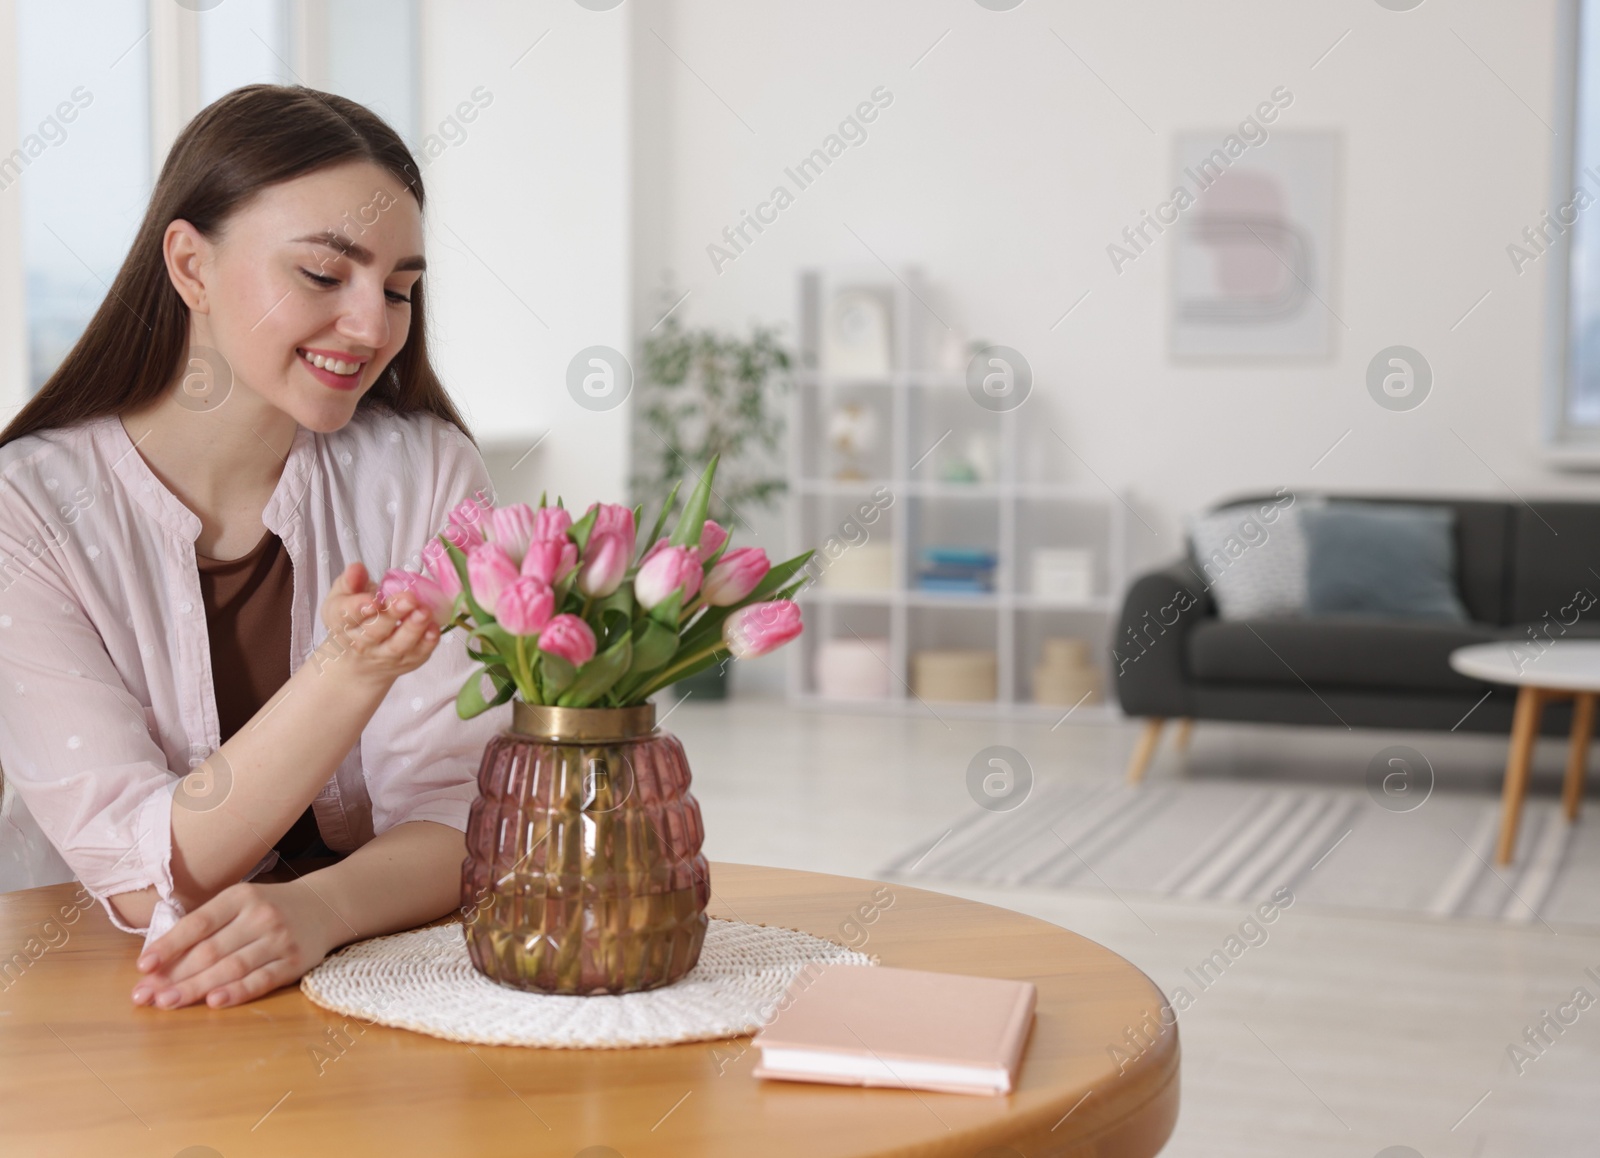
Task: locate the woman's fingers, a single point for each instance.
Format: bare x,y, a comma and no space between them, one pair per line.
192,929
409,632
355,576
231,938
197,942
229,968
272,975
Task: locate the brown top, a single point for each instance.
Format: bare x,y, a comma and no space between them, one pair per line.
248,601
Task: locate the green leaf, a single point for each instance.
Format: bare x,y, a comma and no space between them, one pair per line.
699,665
693,519
661,519
470,701
619,600
653,645
615,624
561,590
581,529
776,576
596,677
459,559
667,611
555,675
503,642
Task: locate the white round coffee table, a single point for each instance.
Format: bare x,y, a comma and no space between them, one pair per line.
1547,671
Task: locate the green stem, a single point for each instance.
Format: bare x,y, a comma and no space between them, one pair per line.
655,681
524,673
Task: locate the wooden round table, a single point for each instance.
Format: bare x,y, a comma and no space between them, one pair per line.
1562,669
84,1070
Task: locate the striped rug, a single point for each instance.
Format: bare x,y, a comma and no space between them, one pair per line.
1233,841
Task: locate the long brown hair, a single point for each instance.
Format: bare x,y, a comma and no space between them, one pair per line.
236,146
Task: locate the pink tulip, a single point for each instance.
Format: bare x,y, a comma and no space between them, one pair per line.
468,517
662,543
735,575
465,538
512,528
664,572
490,570
712,537
551,523
439,563
425,591
569,637
761,627
525,606
614,519
605,562
550,560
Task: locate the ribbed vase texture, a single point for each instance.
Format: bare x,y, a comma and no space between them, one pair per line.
583,872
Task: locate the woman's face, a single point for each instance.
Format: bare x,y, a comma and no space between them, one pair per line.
317,269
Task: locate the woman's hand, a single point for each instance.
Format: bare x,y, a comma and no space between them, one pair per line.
380,642
244,942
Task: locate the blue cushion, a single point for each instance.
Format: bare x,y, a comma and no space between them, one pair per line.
1384,559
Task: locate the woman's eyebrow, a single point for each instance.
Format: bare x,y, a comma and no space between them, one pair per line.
357,252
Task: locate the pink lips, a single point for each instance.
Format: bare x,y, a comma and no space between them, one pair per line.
328,377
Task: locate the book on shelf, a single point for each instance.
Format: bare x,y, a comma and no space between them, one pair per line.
875,1025
956,584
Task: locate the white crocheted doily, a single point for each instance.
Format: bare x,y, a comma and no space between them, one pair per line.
423,980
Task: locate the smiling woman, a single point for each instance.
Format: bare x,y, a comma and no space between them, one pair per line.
261,350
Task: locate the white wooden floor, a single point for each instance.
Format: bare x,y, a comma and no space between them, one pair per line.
1340,1035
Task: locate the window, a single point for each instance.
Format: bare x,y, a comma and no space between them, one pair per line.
1567,239
84,184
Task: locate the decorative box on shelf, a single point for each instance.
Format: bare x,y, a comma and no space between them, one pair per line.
1063,572
1065,674
853,669
954,675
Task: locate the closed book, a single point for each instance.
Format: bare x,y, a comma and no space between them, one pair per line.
873,1025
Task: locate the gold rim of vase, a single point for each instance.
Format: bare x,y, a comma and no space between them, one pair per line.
587,725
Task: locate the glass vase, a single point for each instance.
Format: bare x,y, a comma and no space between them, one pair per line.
584,873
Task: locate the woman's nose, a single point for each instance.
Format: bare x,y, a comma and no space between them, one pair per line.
366,322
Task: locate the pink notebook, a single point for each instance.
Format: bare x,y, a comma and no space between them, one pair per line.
872,1025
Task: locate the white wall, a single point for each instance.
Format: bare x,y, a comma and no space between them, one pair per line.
528,230
13,316
1005,166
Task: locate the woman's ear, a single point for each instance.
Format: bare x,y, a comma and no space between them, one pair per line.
187,254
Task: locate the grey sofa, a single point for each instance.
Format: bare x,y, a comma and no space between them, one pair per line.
1524,572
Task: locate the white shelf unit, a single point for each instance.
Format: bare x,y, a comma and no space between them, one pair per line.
924,416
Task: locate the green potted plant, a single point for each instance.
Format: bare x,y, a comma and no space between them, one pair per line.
704,396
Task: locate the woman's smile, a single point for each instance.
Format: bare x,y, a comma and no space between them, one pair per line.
331,367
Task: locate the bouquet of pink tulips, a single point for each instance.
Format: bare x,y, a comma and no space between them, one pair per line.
562,612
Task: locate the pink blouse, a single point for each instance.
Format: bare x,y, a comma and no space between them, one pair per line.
106,694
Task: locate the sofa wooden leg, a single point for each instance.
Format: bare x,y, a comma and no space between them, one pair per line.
1524,731
1145,749
1181,738
1578,754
